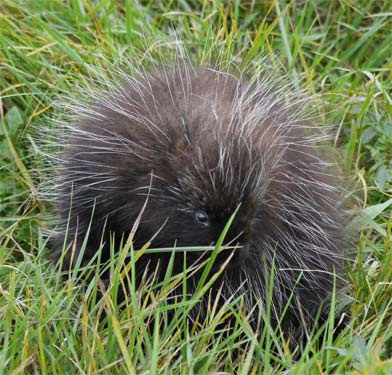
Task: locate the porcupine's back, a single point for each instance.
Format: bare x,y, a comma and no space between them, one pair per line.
199,143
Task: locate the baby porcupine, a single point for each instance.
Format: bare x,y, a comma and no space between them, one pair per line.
196,143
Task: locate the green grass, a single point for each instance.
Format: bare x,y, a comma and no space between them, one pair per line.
48,324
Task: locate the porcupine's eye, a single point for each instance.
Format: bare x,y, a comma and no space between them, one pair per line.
201,217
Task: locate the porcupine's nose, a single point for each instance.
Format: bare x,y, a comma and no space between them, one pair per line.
239,251
237,238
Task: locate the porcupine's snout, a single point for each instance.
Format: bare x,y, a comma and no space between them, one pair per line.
237,241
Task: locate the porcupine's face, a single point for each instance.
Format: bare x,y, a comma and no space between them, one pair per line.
196,215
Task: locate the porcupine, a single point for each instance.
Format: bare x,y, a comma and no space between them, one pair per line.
195,143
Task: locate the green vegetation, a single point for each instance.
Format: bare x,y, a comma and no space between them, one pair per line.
48,324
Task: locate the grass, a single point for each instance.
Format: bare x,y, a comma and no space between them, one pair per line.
48,324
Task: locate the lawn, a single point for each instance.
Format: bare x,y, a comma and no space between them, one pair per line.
339,51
